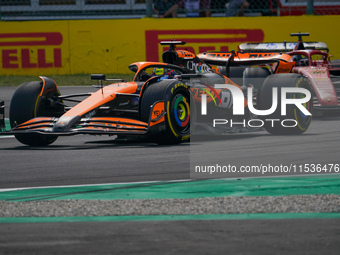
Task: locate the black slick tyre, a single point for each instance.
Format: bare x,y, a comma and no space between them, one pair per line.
295,121
26,105
255,76
176,97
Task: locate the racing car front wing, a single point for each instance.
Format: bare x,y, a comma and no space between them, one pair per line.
92,125
99,126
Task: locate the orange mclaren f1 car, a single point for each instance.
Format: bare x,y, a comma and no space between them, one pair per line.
163,102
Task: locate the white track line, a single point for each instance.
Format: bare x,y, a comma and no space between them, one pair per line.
171,181
89,185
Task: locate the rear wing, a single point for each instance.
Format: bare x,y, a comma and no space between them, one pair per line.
242,58
280,47
229,59
284,46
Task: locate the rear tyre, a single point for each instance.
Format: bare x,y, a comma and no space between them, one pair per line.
176,97
295,121
235,71
255,76
26,104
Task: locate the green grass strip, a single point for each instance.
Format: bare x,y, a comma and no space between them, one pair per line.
259,216
280,186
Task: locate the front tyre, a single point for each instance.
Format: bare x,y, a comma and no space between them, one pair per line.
295,121
176,97
26,104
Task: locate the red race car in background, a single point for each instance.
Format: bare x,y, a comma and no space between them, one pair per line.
312,60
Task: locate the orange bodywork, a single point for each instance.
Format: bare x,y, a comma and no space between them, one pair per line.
157,111
239,56
123,124
32,124
101,97
185,54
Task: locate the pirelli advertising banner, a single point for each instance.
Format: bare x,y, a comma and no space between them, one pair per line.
109,46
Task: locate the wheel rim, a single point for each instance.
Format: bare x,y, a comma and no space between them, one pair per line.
181,113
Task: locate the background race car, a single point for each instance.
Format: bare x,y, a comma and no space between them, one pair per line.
312,60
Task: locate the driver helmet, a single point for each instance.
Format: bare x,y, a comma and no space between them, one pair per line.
158,71
164,73
297,59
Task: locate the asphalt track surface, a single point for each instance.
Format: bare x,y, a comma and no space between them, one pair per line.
81,160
